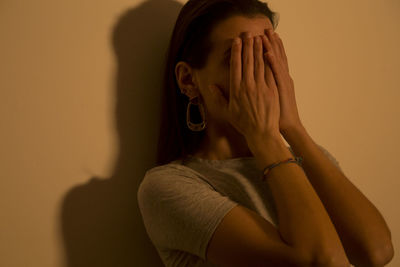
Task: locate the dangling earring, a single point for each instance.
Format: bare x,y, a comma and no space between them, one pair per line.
196,127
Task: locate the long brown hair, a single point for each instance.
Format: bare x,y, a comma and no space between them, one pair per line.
190,43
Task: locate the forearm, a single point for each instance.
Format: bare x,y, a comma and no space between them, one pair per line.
362,229
302,219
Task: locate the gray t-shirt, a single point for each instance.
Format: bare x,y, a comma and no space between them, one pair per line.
183,202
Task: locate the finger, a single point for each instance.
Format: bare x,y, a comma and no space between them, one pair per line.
248,60
269,76
281,48
259,74
277,70
236,67
267,45
283,53
272,39
275,62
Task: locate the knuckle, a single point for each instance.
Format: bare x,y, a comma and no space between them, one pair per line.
242,86
261,83
249,84
250,41
234,96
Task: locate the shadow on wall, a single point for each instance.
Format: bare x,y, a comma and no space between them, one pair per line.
101,222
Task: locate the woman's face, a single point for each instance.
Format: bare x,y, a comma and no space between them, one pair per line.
217,68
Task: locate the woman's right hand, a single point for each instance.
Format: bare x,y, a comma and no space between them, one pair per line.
253,106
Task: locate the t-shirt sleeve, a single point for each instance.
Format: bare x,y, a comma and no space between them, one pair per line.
328,154
331,157
180,210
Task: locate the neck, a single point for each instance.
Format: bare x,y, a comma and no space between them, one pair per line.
222,142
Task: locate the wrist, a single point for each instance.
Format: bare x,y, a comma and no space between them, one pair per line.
256,140
292,133
269,150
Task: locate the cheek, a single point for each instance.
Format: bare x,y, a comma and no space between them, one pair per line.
226,82
223,83
219,75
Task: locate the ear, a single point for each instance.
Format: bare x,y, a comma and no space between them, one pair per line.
186,81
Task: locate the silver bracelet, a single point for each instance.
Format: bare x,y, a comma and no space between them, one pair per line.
297,160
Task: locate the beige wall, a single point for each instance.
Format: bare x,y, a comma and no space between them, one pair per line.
78,115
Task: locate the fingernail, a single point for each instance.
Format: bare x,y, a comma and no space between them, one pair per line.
269,31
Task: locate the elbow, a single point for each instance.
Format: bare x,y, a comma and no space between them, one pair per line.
334,258
382,256
322,260
331,262
378,258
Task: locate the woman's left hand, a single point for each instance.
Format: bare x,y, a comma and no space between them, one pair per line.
276,56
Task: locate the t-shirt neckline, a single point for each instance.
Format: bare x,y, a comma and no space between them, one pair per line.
218,161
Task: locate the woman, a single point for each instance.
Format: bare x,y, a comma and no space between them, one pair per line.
217,197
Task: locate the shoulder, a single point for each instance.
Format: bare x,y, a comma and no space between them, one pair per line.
171,168
170,173
171,178
180,210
